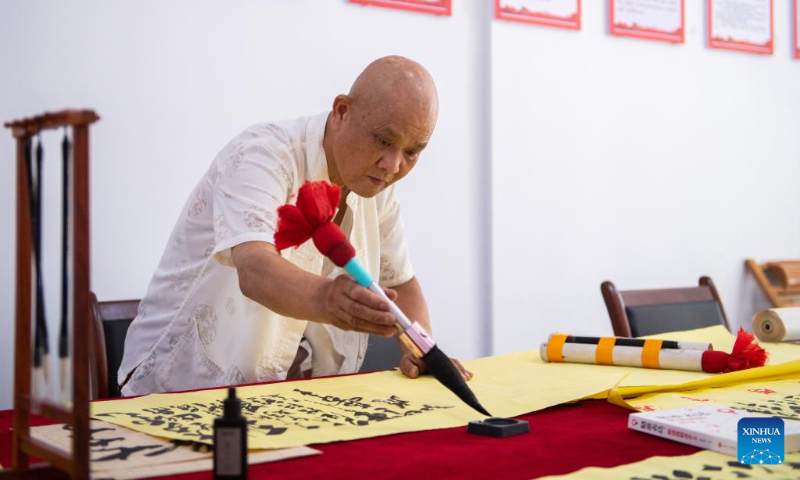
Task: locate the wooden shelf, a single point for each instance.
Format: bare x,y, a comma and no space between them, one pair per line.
74,463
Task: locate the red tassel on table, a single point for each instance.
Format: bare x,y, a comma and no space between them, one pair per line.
746,354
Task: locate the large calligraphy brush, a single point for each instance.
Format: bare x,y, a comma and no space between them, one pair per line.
311,219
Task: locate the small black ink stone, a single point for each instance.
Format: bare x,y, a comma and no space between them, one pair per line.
498,427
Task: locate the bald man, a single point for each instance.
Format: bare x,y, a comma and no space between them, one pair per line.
224,307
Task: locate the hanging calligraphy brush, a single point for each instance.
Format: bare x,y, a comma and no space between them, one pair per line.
63,336
311,219
40,311
40,349
37,353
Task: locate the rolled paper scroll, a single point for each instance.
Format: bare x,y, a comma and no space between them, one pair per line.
777,325
653,353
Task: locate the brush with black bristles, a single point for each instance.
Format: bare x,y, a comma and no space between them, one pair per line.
63,335
41,347
311,219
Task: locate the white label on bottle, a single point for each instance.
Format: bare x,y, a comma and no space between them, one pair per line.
228,445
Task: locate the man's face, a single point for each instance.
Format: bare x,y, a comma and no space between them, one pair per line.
376,147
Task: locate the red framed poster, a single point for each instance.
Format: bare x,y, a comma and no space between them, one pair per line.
661,20
796,27
438,7
741,25
551,13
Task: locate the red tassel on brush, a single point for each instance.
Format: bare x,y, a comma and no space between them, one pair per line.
332,243
746,354
316,205
311,218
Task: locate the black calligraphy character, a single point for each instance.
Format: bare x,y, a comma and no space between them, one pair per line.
123,452
270,430
175,444
91,430
159,410
250,407
387,411
176,427
167,448
97,442
188,416
394,400
190,407
371,417
102,442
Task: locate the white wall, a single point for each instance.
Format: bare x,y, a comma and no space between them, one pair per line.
710,163
641,162
174,81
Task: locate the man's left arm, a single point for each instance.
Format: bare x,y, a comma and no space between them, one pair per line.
412,302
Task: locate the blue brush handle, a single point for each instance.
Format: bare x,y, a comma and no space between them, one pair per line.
359,273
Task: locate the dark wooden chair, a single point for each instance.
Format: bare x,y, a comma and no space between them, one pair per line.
111,322
635,313
382,354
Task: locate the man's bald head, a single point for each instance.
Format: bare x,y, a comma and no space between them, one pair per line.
396,82
375,133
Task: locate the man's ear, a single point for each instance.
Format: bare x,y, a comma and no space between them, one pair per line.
340,114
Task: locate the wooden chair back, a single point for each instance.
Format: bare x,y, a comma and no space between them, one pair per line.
111,321
637,313
779,280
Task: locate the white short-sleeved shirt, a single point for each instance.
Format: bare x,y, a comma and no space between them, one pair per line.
195,329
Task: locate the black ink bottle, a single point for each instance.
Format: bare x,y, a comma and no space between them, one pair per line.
230,440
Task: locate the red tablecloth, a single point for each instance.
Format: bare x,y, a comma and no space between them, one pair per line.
562,439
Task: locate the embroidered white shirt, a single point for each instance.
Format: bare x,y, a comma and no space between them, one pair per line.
195,329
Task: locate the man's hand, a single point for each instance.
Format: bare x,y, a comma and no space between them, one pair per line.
412,367
349,306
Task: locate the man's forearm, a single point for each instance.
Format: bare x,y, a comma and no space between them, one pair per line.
267,278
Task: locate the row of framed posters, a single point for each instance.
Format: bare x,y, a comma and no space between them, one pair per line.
742,25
